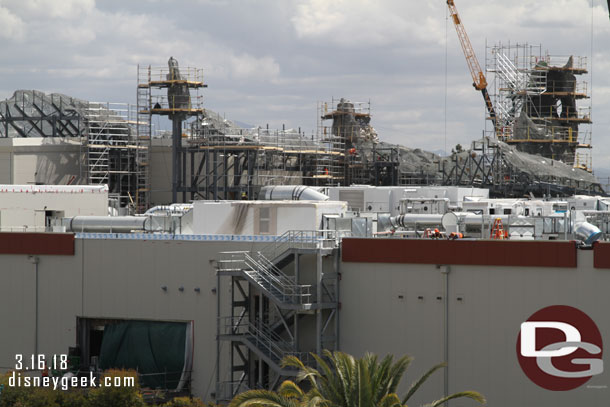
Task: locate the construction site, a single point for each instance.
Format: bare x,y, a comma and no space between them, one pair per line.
538,141
163,237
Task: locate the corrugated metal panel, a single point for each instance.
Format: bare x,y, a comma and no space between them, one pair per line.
354,199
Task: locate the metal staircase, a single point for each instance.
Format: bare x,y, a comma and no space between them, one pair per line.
261,272
519,85
268,302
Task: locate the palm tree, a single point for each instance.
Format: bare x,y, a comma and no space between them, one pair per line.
350,382
346,382
289,394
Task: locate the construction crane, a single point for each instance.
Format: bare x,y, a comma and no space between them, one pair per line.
479,81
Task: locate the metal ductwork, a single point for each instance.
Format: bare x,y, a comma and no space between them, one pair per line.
173,209
291,193
587,233
115,224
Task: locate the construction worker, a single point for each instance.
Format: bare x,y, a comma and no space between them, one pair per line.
244,196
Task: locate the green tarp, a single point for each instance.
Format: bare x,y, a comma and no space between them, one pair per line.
155,349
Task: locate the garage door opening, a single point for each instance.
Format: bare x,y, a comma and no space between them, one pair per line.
160,351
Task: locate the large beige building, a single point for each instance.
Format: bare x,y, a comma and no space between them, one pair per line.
460,301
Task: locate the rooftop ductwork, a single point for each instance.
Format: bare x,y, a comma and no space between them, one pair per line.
101,224
291,193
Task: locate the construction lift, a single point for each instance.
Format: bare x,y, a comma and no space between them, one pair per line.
479,81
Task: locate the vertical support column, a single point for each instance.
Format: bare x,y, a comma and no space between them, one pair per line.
319,295
207,174
338,298
176,150
193,184
182,184
218,322
225,171
296,313
445,273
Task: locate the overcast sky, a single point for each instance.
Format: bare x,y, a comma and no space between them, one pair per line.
271,61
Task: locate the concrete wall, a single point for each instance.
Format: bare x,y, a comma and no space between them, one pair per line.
24,207
160,168
51,161
386,308
111,279
243,217
382,312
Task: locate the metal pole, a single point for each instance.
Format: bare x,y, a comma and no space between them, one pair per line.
217,395
319,301
176,144
35,260
445,271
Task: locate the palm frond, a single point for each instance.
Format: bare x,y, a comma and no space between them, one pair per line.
421,381
290,389
262,398
468,394
390,400
335,381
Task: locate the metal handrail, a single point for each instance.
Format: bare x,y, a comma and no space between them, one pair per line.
272,276
290,291
264,339
299,239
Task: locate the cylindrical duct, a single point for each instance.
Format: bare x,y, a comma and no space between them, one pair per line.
118,224
291,193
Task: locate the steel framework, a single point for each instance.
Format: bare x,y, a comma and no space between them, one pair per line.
269,302
538,102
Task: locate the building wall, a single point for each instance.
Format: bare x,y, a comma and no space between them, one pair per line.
398,308
49,161
25,207
387,307
160,172
112,279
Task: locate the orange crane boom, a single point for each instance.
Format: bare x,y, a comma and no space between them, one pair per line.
478,78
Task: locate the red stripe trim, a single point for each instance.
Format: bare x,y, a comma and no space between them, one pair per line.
465,252
37,243
601,255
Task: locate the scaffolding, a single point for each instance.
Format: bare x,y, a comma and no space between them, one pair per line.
106,134
172,92
112,150
538,102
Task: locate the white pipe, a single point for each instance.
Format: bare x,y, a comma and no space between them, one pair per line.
291,193
170,209
119,224
415,218
586,232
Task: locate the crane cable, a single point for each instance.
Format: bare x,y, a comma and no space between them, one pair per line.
446,59
590,163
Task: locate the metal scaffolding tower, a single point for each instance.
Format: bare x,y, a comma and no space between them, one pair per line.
539,102
273,293
112,149
166,91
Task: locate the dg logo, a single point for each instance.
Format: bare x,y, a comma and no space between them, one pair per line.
560,348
